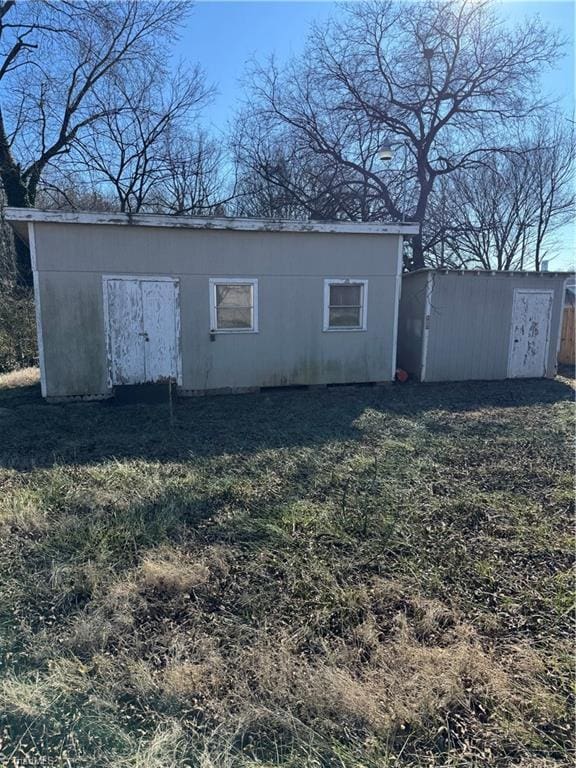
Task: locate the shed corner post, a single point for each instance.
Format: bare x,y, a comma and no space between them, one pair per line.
37,306
397,295
426,323
554,367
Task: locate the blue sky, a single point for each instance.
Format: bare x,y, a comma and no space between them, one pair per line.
224,36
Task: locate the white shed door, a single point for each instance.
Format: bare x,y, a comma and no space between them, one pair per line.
529,341
161,340
143,330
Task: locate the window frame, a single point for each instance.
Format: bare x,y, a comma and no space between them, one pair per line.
363,282
216,281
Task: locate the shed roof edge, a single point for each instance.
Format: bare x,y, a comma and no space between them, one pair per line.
489,273
35,215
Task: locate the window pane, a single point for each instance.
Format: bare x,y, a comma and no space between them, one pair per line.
233,295
235,317
345,295
345,317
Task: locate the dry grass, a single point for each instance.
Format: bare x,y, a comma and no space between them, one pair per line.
171,572
358,579
24,377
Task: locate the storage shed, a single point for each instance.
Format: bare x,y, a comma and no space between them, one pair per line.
213,304
456,324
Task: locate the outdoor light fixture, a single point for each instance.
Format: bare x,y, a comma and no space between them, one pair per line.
385,153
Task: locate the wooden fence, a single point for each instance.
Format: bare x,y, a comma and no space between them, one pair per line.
566,354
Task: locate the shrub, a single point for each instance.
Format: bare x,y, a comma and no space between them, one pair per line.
17,330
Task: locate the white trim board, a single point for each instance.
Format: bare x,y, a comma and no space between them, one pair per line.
106,316
37,308
154,278
397,297
207,222
426,324
560,324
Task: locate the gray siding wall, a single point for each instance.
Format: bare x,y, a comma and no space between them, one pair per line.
290,347
411,322
470,323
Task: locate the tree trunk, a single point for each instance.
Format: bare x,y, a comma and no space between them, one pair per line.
17,195
426,184
417,260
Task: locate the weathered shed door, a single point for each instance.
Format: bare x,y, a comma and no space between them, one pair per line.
530,331
143,329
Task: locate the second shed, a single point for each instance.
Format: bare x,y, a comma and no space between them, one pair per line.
457,325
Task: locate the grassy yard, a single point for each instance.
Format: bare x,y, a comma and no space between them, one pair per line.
360,578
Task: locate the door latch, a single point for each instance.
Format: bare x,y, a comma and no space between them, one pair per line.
143,333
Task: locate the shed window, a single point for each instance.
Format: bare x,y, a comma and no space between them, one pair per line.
233,305
345,305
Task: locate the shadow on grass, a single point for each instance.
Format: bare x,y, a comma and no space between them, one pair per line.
38,434
20,395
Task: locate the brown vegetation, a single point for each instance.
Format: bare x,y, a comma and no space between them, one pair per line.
244,589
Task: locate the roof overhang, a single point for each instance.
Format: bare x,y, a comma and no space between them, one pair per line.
487,272
20,216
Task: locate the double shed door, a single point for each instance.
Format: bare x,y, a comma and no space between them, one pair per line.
143,329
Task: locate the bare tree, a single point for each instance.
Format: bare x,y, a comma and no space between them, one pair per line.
58,63
440,80
280,178
553,176
125,150
67,190
197,177
505,214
